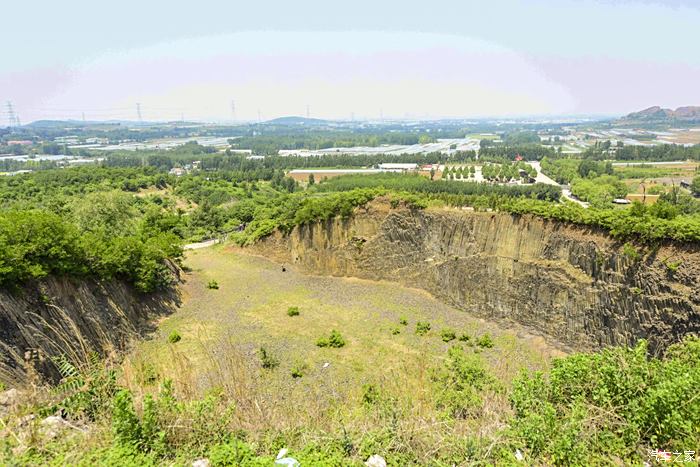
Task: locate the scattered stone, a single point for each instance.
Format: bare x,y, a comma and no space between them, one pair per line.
52,427
375,461
201,463
8,400
519,455
326,365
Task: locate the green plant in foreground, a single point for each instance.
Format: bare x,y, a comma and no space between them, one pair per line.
485,341
459,384
267,360
448,334
174,337
646,402
293,311
212,284
335,340
403,321
395,330
422,328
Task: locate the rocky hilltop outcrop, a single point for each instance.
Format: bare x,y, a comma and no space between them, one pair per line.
575,284
656,113
71,317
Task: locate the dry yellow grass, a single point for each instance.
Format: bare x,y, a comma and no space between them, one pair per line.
222,331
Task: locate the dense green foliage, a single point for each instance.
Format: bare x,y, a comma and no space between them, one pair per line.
420,184
588,409
600,190
617,402
566,170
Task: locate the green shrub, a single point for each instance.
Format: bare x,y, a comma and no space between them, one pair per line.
293,311
619,401
174,337
459,384
485,341
335,340
673,266
630,252
448,334
299,369
212,284
395,330
422,328
465,338
125,424
403,321
267,361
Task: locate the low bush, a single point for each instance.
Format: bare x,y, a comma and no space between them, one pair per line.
459,384
174,337
267,361
422,328
485,341
448,334
299,369
213,285
293,311
335,340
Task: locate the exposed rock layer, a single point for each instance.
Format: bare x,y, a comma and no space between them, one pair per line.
577,285
71,317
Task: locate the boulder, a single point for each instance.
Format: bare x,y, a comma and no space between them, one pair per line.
375,461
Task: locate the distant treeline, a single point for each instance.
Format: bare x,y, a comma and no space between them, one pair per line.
662,152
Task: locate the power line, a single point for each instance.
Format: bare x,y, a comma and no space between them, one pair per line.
12,118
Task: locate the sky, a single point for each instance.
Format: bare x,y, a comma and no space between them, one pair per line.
230,60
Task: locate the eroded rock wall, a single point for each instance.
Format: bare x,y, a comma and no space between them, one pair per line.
574,284
71,317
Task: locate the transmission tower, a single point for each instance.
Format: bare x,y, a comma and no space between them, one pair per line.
233,110
308,111
138,112
12,118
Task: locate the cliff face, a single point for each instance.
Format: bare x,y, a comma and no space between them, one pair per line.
71,317
576,285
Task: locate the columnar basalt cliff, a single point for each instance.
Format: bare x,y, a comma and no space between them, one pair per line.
575,284
73,318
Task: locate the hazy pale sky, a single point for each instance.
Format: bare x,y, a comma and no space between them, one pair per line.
433,59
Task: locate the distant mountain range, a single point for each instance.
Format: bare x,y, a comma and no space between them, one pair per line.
297,121
656,113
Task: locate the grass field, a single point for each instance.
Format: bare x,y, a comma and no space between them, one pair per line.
223,330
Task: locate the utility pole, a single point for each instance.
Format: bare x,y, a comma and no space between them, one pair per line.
138,112
83,117
308,111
